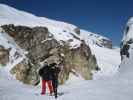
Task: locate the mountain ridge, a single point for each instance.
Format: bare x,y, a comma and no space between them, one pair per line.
10,15
23,27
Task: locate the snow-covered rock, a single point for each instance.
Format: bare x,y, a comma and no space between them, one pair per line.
4,55
126,68
62,32
95,39
43,47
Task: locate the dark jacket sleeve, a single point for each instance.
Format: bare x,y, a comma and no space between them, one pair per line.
40,72
56,72
58,69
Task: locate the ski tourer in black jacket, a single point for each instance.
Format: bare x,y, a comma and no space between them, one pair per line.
45,73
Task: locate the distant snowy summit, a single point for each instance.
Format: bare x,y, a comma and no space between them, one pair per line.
30,40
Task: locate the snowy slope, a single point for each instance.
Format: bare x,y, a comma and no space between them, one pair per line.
91,38
9,15
61,30
107,59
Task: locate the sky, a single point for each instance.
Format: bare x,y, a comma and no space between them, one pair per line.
104,17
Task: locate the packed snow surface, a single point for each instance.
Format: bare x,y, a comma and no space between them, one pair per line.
108,60
107,89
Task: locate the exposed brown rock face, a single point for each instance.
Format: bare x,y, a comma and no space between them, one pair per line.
77,30
106,43
25,72
41,46
80,60
4,55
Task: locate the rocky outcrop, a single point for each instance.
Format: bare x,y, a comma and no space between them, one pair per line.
77,30
106,43
126,69
4,55
80,60
127,41
41,46
26,72
124,51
